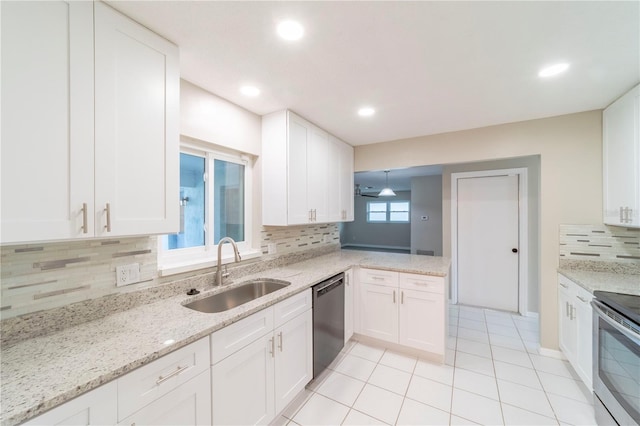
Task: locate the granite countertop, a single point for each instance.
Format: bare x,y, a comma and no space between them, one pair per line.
41,373
605,281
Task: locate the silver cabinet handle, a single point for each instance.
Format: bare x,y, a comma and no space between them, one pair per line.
273,349
85,227
567,310
572,312
563,285
582,299
170,375
378,278
108,211
394,296
621,215
402,297
280,345
314,215
629,215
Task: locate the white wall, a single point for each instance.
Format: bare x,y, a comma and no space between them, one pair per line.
360,232
570,150
426,200
207,117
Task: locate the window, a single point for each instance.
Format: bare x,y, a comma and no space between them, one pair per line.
215,194
388,211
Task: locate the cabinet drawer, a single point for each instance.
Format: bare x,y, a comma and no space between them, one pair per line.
150,382
583,297
428,283
376,276
238,335
291,307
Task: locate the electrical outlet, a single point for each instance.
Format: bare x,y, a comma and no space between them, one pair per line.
326,238
127,274
273,248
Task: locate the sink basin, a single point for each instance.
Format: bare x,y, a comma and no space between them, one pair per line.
237,296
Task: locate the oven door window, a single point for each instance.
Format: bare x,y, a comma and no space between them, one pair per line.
619,368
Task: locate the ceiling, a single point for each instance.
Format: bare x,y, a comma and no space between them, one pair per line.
399,179
426,67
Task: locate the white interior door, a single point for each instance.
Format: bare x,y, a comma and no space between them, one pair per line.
487,237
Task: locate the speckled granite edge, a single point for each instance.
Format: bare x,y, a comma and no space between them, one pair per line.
632,268
42,323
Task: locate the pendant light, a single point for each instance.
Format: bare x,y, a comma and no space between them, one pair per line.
386,191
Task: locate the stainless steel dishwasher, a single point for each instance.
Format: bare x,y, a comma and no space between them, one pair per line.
328,322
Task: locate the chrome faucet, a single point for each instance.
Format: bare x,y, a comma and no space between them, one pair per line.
236,253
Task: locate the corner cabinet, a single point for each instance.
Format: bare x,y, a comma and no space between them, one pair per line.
89,124
576,327
621,161
307,174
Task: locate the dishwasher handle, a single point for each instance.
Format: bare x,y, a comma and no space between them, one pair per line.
323,288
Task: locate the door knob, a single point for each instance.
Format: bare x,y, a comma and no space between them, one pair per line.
515,250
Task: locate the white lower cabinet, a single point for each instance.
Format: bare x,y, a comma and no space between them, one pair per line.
254,383
243,392
407,309
349,293
576,327
97,407
188,404
379,312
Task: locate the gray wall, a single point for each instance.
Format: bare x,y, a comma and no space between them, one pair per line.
532,164
426,200
359,232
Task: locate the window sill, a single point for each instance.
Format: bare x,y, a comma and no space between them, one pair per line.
179,267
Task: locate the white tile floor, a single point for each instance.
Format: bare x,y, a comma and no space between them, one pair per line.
493,375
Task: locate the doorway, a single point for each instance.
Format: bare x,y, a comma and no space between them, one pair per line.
489,239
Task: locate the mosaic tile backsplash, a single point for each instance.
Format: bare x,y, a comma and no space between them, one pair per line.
36,277
600,243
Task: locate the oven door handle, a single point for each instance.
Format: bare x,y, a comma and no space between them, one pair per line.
600,310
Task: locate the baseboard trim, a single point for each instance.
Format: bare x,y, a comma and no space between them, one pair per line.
377,247
535,315
551,353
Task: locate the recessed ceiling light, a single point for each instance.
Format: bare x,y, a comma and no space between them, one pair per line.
290,30
249,90
552,70
366,112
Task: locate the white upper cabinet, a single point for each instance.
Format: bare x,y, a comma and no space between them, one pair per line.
90,124
47,120
137,127
621,160
306,173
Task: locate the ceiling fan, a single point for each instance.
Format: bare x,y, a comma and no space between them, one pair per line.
358,192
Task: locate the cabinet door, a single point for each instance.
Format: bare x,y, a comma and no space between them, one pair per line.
348,305
567,338
317,169
621,160
584,337
96,407
298,144
422,320
333,179
188,404
137,147
47,120
346,182
293,358
379,312
242,385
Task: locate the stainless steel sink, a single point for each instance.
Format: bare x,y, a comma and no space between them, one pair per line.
237,296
